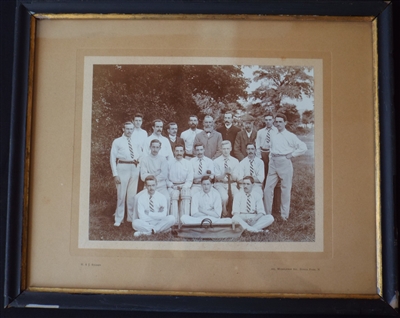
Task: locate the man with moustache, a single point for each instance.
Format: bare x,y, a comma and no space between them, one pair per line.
172,135
152,211
229,131
248,209
225,165
156,166
237,121
180,179
180,171
124,161
202,166
254,167
206,203
244,137
210,138
284,146
263,141
166,150
189,135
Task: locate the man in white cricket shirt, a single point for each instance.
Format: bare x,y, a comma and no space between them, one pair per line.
284,146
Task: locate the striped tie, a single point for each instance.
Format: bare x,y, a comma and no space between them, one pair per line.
130,147
151,205
268,135
251,168
248,203
200,166
226,163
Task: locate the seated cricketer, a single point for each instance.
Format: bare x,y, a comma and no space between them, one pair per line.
152,211
202,166
248,209
205,204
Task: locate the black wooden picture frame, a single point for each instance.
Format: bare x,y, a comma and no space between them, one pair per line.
15,109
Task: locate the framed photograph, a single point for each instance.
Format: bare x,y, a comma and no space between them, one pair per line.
235,156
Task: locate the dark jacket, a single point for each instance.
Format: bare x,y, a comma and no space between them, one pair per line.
229,134
241,141
178,141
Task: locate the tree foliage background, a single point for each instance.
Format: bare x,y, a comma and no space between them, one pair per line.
174,92
166,92
278,84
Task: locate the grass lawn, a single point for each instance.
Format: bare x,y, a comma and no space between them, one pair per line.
300,227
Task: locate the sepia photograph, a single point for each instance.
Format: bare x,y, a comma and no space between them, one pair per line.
230,161
202,152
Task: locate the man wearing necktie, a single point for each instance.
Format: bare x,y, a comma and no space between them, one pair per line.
124,160
225,165
152,211
202,166
284,146
205,204
263,141
254,167
210,138
248,209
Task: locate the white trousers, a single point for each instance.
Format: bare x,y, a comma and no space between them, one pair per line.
279,168
126,190
158,226
190,220
255,223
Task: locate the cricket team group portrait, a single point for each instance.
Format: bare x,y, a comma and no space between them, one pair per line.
202,152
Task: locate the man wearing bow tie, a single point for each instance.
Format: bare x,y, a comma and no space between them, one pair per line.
124,160
210,138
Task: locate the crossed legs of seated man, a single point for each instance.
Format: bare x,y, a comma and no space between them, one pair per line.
253,222
205,204
152,211
248,208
